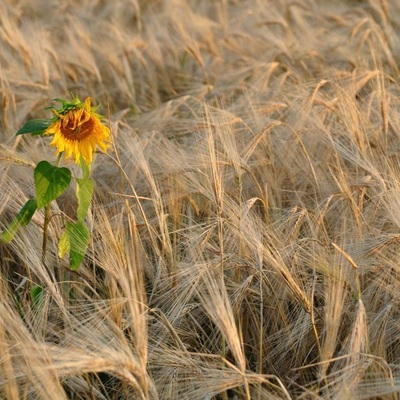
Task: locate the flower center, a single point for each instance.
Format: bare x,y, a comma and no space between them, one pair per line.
77,130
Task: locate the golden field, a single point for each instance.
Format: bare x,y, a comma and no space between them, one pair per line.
245,230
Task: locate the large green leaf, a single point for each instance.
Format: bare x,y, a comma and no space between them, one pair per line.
50,182
84,192
21,219
35,126
74,240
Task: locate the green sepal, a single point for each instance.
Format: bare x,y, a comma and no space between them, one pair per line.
66,105
50,182
35,127
75,240
21,219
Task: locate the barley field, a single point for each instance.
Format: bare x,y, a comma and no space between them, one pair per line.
245,227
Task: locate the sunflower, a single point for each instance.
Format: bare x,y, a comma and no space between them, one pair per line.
78,131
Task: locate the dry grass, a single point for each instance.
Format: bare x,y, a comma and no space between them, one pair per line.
246,227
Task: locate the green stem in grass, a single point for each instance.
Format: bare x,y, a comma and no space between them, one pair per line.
47,215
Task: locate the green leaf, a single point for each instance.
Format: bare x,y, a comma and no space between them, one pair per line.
50,182
21,219
35,126
63,243
75,239
36,294
84,192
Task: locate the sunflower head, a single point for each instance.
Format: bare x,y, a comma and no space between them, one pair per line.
77,130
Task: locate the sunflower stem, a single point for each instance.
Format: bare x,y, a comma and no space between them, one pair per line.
47,216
